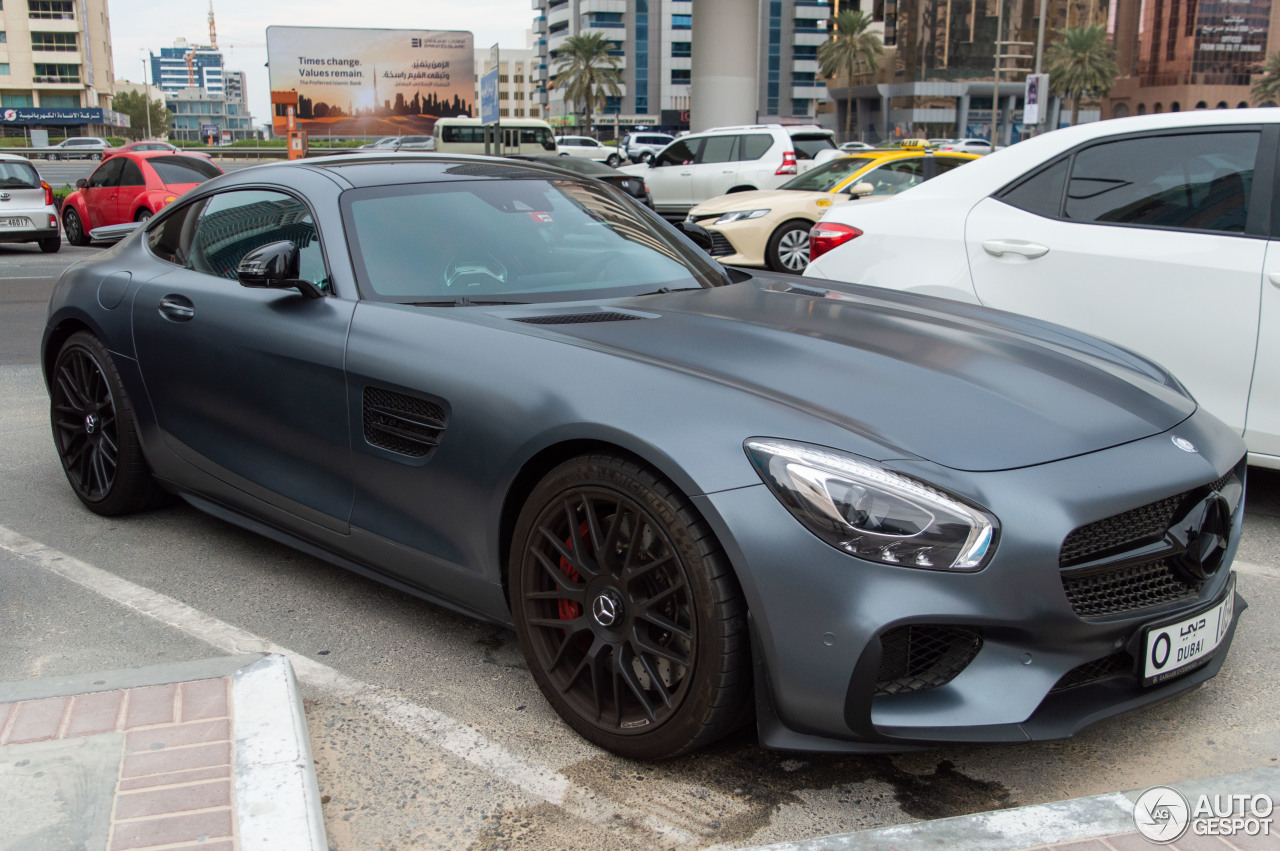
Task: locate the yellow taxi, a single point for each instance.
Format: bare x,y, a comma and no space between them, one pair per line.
771,228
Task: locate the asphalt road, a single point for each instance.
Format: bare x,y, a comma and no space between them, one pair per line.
429,733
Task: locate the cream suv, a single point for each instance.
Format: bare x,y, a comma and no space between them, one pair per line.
715,162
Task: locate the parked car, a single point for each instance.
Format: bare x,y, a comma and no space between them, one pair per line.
130,187
639,147
628,183
1149,231
27,210
854,147
968,146
587,148
771,227
153,145
78,148
887,521
383,144
714,162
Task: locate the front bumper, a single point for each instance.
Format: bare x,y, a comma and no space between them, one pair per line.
1042,671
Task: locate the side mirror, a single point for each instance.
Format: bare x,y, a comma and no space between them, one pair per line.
274,266
699,235
81,183
857,190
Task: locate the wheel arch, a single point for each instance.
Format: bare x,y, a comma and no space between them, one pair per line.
743,188
542,462
55,337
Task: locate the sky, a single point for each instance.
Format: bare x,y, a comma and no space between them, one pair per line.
138,26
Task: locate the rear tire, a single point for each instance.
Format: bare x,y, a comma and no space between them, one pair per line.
74,228
629,616
142,215
613,160
95,433
645,156
788,248
50,245
95,157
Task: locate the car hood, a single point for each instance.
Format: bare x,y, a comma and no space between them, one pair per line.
761,199
962,386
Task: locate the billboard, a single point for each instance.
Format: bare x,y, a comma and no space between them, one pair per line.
369,82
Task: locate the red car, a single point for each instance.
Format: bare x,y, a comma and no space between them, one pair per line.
130,187
153,146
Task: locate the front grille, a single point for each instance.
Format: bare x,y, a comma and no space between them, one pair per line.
1131,528
399,423
720,245
920,657
1115,665
1126,589
576,318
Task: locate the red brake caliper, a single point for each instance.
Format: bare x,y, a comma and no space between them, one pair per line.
569,610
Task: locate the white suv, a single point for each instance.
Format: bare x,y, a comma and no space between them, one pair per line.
586,148
639,147
715,162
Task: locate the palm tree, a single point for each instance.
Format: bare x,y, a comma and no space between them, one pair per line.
1268,88
1082,62
586,70
850,50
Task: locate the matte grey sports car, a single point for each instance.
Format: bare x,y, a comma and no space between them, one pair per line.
873,520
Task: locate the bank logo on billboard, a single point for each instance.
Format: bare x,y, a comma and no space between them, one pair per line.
367,82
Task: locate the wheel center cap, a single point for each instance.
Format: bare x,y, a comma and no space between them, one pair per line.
91,423
606,609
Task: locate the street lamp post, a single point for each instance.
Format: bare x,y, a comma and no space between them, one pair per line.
146,101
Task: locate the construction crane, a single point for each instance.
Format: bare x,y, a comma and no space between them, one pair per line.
213,31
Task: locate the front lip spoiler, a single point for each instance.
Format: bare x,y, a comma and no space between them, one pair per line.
1059,716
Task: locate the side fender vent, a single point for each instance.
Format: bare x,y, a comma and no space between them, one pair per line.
403,424
577,318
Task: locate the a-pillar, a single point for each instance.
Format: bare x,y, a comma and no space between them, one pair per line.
724,64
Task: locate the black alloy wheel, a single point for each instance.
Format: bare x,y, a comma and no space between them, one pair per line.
142,215
94,430
74,228
628,614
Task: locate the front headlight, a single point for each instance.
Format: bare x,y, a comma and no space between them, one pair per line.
739,216
873,513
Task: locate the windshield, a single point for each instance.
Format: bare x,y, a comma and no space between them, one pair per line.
827,176
179,169
517,240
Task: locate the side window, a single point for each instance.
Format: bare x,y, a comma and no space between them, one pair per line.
755,146
234,223
170,239
678,153
131,175
942,165
718,149
896,176
108,174
1041,193
1195,181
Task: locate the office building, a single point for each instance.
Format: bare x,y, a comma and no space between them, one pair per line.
653,42
186,65
55,67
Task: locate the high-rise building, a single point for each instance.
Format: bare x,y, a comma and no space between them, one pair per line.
55,67
653,42
183,66
1190,54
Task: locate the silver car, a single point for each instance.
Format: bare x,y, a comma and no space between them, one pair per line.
27,211
79,148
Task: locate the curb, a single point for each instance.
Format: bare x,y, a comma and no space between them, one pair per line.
1031,826
276,799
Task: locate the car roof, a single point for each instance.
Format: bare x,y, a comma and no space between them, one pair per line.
390,169
15,158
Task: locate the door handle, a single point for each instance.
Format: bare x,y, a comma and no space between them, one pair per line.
1001,247
1274,278
178,308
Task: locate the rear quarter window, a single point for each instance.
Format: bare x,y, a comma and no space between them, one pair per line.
808,147
179,169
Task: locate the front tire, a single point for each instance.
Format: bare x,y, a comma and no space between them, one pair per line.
628,614
95,433
74,228
53,158
788,248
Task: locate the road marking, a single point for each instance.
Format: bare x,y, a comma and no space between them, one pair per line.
431,725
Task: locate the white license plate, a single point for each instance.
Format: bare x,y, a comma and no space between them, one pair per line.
18,222
1174,649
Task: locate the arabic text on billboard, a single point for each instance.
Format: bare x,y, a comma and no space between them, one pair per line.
369,82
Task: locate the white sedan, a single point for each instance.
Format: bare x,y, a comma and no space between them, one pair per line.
587,148
1156,232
